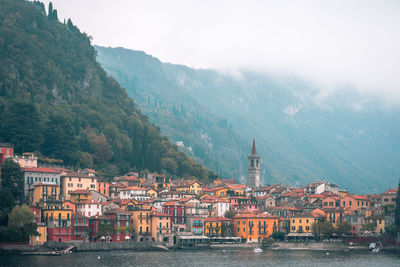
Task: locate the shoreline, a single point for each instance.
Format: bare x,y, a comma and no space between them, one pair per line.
133,246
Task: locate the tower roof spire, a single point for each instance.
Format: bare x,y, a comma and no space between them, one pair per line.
253,149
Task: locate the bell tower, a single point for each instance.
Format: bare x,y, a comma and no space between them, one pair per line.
253,164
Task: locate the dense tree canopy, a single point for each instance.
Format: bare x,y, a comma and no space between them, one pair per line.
12,179
57,101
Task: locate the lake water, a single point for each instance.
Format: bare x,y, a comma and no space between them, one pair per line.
212,257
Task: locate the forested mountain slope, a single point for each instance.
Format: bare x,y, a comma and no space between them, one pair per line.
57,101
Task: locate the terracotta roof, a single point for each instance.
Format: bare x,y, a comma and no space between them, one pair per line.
46,170
79,175
254,215
90,202
236,186
390,191
361,197
316,196
171,203
112,211
80,191
116,184
133,188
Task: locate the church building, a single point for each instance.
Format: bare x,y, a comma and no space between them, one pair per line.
253,178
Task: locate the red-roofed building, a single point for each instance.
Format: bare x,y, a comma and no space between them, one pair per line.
176,210
121,220
79,195
254,227
389,197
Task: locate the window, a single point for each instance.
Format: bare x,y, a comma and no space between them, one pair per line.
349,203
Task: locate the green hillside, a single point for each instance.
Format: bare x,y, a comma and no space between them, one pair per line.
57,101
344,138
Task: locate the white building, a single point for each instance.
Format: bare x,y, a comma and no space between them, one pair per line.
316,188
134,192
221,206
89,208
34,176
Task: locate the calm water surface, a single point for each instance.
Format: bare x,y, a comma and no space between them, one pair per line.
212,257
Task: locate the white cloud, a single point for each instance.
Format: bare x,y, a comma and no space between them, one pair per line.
330,43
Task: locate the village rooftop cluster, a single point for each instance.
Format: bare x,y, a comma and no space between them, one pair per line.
81,206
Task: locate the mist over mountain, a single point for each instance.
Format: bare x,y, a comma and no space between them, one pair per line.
301,134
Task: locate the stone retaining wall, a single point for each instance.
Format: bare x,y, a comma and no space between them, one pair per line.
97,246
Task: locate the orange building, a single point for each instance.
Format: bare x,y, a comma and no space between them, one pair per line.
43,192
218,227
354,203
103,188
141,221
254,227
80,195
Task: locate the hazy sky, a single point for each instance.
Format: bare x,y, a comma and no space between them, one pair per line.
331,43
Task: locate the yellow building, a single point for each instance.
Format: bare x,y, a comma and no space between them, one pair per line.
41,238
192,187
77,181
141,221
378,221
195,188
161,228
79,195
220,191
43,192
52,213
302,223
254,227
218,227
151,192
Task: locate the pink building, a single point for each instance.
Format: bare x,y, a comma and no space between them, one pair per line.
243,204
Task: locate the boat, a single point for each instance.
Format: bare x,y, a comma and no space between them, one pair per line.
257,250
